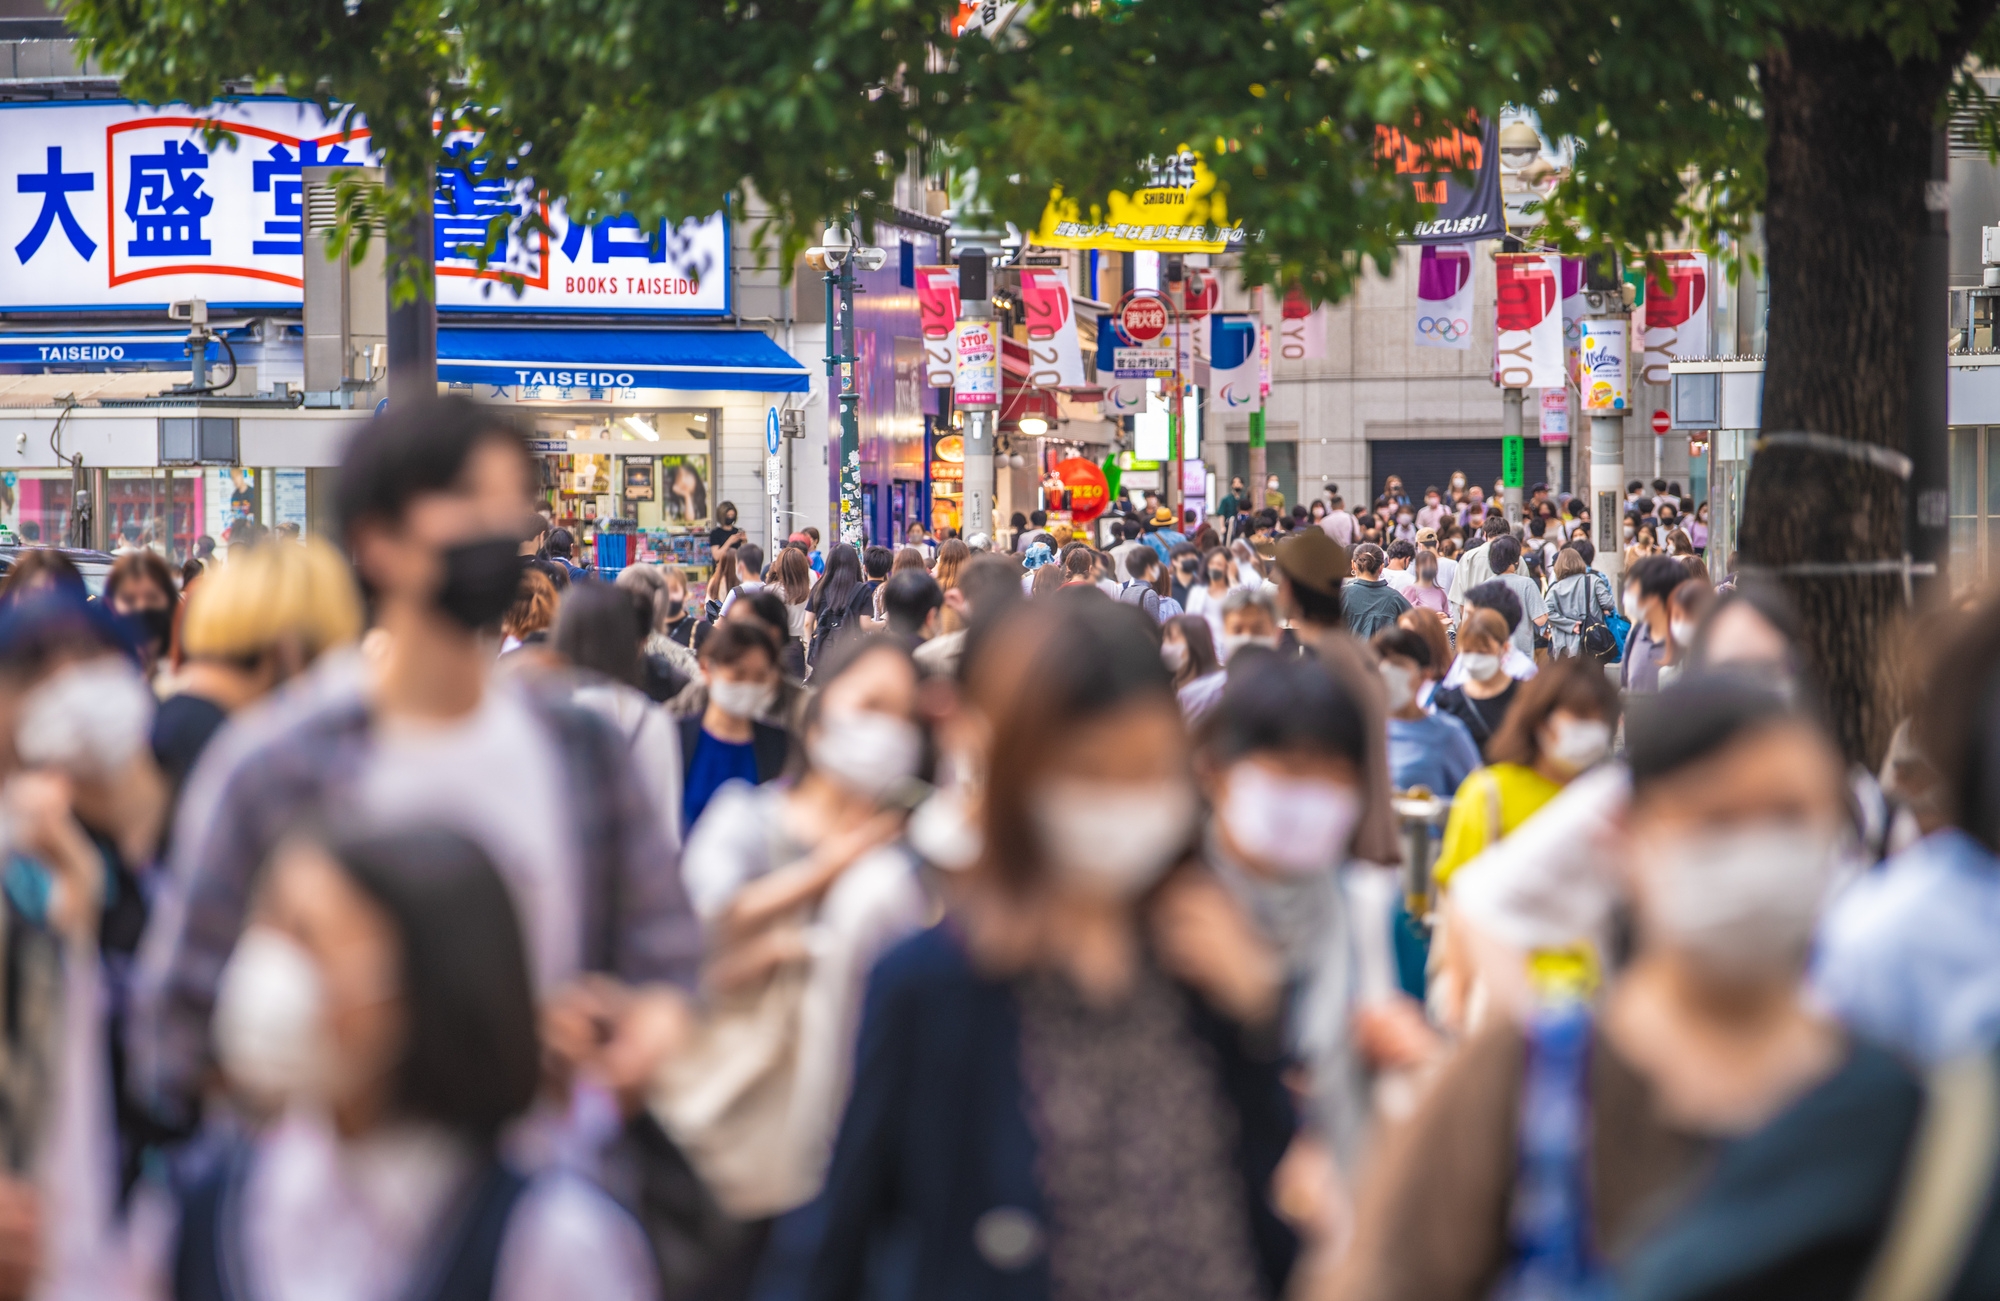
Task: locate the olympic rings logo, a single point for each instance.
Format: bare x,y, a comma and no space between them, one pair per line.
1444,327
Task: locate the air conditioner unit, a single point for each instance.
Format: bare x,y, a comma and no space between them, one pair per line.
346,302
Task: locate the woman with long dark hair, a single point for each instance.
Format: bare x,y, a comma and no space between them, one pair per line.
1082,1014
832,599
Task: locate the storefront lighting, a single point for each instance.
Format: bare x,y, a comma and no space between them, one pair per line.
641,428
1034,426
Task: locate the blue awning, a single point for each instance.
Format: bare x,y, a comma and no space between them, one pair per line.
513,356
43,350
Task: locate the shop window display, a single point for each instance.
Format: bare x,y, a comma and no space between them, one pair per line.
615,481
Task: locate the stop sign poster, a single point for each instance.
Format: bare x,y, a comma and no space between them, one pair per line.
1528,347
1675,322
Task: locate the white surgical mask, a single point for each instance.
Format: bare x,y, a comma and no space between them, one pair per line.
1173,654
1682,631
1296,826
1404,520
269,1030
1577,743
1114,838
741,699
1236,641
1458,481
1401,685
1480,666
1632,604
868,752
1744,900
89,719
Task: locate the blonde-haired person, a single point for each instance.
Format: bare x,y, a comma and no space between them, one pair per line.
250,625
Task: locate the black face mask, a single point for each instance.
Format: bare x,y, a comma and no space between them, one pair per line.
675,609
158,624
728,517
480,580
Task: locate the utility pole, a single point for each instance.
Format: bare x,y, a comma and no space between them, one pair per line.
1604,383
976,301
836,256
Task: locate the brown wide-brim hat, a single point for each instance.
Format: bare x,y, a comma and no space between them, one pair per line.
1312,559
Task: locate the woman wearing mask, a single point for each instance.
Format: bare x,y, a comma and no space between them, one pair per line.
1431,751
1189,654
1425,592
1561,724
1249,571
1706,1083
141,588
1697,529
379,1009
1205,597
1109,1043
1576,599
728,739
724,581
801,885
250,625
1482,701
677,617
1283,762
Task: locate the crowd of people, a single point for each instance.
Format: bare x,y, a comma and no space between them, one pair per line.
1176,908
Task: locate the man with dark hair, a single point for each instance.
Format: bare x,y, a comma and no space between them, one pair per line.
1648,584
562,551
434,500
1141,564
1398,556
911,602
1505,554
1475,564
1367,603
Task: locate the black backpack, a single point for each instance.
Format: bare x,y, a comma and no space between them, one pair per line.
1598,641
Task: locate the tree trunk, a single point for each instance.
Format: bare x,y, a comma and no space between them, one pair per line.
1849,153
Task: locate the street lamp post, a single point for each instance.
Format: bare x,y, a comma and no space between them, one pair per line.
836,257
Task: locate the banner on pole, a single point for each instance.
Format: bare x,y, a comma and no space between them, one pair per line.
937,310
1675,316
1527,338
1444,297
1055,358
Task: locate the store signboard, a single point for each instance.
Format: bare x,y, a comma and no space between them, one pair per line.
1143,363
126,206
1181,210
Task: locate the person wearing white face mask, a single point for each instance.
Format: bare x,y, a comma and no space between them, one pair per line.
728,739
1249,618
1428,751
1283,762
378,1012
1560,725
1189,654
801,884
1053,1020
1737,1142
1485,694
1649,583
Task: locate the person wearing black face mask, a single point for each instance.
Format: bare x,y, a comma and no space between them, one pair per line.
141,588
725,529
434,500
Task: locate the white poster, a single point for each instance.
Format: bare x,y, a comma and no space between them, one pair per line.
976,348
1055,358
1573,308
1674,320
1124,397
1444,297
114,205
1555,416
1527,338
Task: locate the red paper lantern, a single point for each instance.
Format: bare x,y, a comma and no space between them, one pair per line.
1089,494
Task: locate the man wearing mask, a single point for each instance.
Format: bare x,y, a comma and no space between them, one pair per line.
1648,585
434,499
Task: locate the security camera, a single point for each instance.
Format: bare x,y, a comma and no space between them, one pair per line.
870,259
192,310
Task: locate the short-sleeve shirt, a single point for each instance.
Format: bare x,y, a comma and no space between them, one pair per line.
1532,608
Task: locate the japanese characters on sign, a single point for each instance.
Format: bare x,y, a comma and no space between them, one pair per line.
1181,211
123,205
977,354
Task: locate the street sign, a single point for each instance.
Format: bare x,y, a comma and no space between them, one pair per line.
1142,363
1555,417
1514,462
1143,319
1662,422
771,431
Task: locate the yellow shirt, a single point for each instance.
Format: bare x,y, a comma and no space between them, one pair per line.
1510,790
